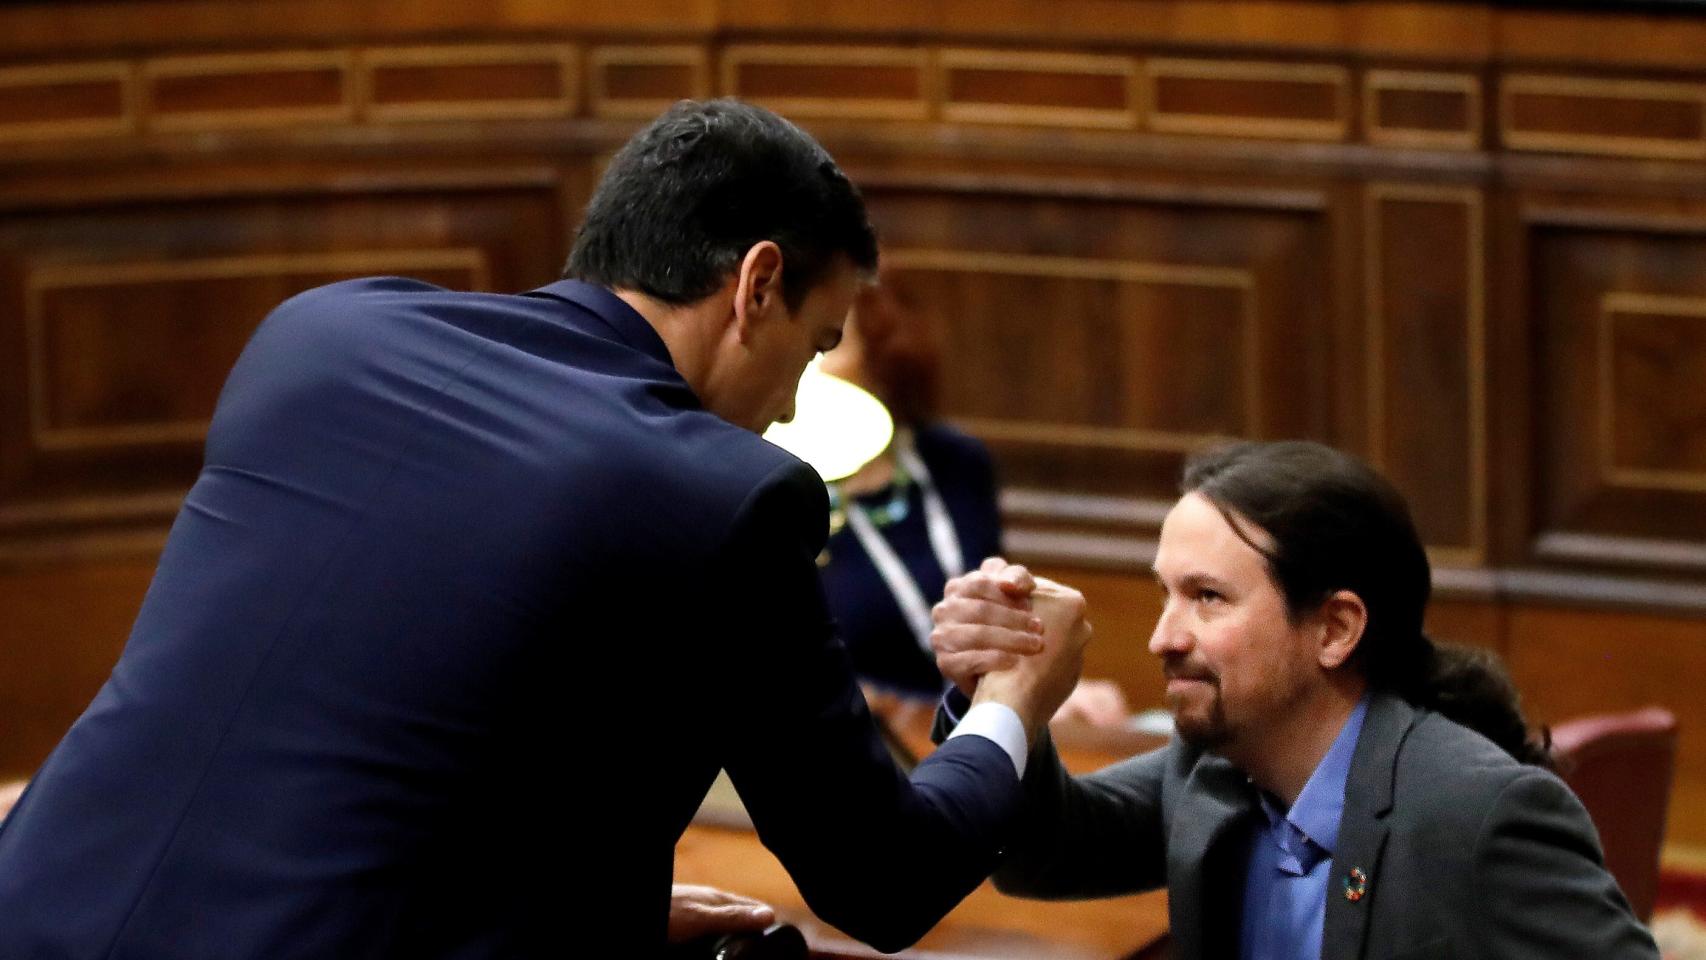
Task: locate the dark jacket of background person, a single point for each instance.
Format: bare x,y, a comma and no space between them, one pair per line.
380,699
879,639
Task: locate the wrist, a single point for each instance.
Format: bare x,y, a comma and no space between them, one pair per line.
992,689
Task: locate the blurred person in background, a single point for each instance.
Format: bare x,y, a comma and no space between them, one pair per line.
922,512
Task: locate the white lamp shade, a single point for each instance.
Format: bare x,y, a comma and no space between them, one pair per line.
837,427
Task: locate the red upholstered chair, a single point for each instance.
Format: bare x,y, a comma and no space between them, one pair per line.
1621,766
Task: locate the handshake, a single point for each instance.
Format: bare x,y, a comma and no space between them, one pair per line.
1004,636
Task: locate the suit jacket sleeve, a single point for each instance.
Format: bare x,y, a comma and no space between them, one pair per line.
1100,835
878,855
1542,888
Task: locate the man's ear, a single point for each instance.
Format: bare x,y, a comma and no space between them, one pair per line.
1342,620
758,288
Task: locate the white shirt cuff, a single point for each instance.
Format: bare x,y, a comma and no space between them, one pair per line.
998,723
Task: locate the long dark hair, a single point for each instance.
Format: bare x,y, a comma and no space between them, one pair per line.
1336,524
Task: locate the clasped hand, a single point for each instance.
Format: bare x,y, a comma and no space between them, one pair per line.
1004,635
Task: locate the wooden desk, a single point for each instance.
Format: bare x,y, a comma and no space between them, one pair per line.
987,925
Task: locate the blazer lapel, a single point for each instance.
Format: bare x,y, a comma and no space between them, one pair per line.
1355,881
1216,799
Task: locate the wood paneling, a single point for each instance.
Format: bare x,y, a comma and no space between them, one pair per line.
63,628
1426,352
1466,241
1593,115
134,353
1243,99
1652,360
127,318
1620,324
848,82
67,100
471,82
1409,108
1052,89
642,81
247,90
1122,334
1568,663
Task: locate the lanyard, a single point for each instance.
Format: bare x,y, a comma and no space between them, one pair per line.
944,542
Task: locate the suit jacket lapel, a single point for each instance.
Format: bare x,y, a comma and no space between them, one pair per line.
1363,828
1216,799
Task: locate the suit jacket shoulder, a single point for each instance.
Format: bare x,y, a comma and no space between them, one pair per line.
1464,851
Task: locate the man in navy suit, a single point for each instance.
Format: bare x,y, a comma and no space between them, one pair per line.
440,537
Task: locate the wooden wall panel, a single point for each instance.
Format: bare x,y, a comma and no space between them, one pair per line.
642,81
249,89
1143,226
1620,323
128,317
850,82
1410,108
1121,334
63,628
1603,115
134,353
67,100
1057,89
1243,99
472,82
1427,358
1570,663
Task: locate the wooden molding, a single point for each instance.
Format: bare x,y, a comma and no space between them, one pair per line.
1159,71
852,106
236,66
1518,85
1474,552
50,76
45,435
1612,473
603,59
1119,271
1377,82
562,102
1142,513
1035,114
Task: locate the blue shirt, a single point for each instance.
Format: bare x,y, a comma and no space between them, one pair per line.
1291,859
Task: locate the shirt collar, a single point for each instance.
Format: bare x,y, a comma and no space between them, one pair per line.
615,313
1321,804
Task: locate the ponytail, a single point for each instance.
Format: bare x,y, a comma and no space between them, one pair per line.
1470,686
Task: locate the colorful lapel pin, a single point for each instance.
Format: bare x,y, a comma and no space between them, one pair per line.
1356,885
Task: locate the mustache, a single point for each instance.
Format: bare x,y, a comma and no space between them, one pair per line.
1180,668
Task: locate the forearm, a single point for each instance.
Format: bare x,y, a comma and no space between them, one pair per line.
885,866
1059,849
1067,824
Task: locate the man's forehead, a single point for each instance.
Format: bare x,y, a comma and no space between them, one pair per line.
1198,539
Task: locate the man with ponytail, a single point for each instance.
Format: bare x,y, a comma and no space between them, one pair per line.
1339,785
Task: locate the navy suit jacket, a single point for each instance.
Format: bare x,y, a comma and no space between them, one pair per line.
469,604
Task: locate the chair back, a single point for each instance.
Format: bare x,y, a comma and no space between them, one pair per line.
1621,765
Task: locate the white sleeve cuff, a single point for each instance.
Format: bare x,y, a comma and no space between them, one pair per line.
998,723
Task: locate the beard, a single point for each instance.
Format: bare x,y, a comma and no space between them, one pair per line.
1199,713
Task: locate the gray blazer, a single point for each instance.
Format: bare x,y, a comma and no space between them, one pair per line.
1466,853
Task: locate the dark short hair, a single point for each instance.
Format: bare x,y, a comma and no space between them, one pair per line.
684,200
1336,524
